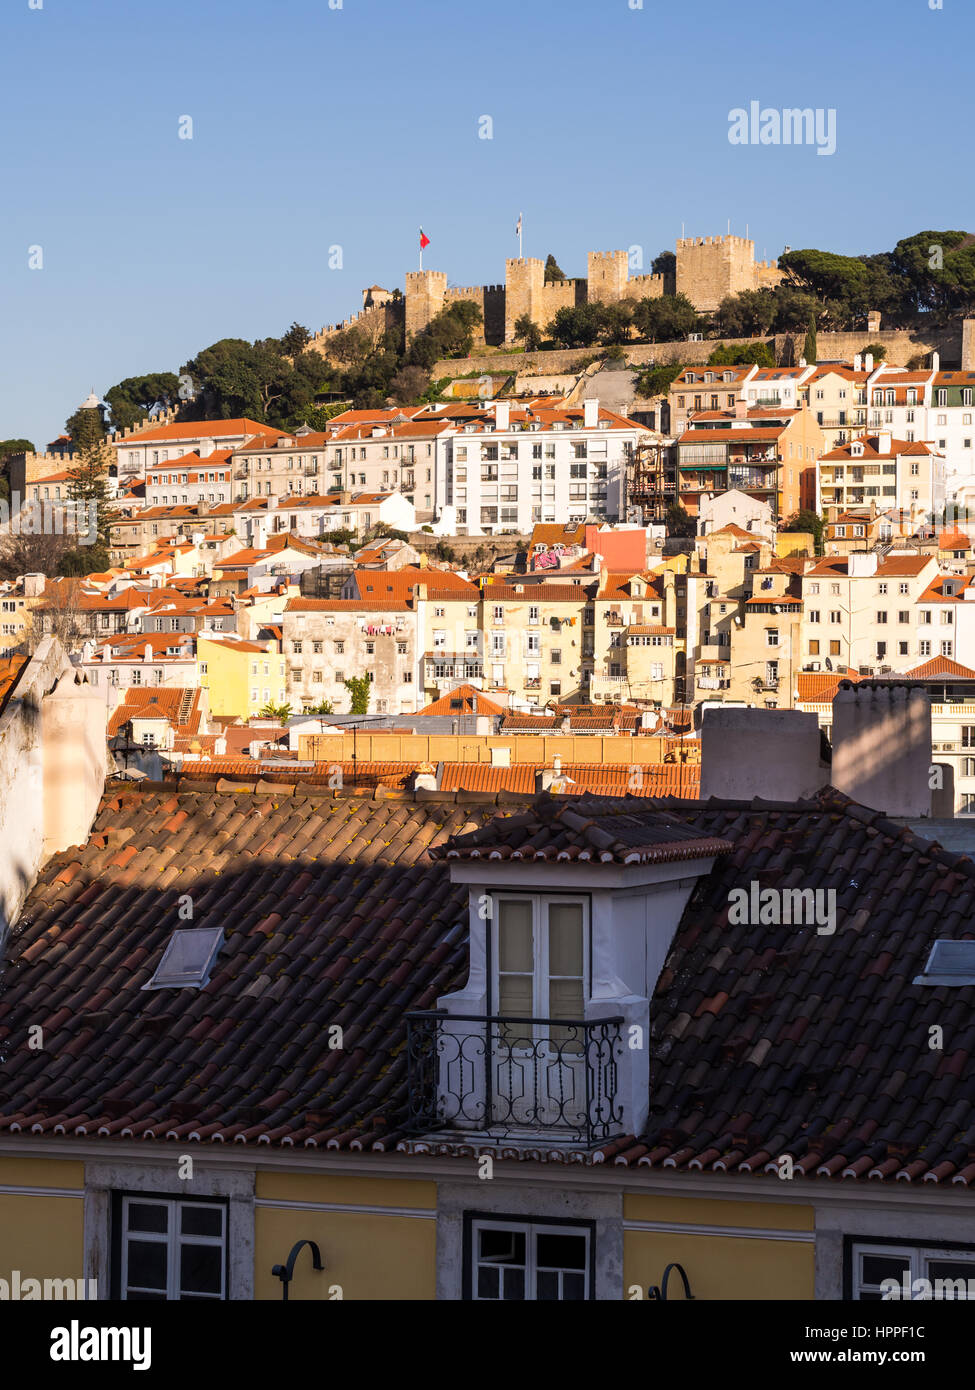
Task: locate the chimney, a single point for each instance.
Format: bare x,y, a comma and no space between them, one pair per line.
205,449
884,441
868,362
502,415
862,563
34,585
73,761
590,414
857,362
771,753
425,778
936,361
882,747
741,409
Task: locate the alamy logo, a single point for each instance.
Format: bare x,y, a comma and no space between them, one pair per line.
793,125
16,1289
756,906
77,1343
922,1289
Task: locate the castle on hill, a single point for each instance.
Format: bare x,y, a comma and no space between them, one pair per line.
707,269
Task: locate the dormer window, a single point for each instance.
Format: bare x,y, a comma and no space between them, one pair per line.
573,910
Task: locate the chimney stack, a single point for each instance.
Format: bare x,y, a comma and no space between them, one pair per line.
882,747
502,415
590,414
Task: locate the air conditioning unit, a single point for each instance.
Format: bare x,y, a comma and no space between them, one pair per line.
814,666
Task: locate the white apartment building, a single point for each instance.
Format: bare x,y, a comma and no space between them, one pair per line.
384,452
203,476
950,427
314,517
867,611
893,473
538,464
136,453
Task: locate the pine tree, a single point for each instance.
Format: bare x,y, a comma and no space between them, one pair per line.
88,488
809,347
553,271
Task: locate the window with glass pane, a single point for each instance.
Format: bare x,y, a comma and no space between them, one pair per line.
529,1262
565,970
516,965
946,1274
541,967
172,1250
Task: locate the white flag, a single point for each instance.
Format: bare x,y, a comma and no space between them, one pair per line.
518,228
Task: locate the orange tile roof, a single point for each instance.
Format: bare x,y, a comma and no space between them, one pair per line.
935,591
198,429
347,605
753,436
466,693
10,672
819,687
871,451
157,702
535,593
399,584
940,666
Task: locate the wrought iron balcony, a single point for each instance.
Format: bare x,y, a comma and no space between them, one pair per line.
515,1077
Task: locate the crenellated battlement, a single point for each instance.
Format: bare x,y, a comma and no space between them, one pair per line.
707,269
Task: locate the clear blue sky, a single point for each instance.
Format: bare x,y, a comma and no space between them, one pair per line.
354,126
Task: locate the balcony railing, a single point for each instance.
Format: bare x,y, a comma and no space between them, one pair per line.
505,1076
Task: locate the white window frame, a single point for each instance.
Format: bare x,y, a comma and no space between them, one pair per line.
919,1257
541,979
173,1240
531,1230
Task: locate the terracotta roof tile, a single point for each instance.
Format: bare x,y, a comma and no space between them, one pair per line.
339,910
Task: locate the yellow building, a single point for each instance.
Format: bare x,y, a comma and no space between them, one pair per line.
17,598
533,636
240,677
635,644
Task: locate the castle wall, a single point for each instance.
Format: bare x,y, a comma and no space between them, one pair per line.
376,320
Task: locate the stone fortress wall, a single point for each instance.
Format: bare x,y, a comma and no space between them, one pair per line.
708,268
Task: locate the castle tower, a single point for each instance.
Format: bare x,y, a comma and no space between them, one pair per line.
524,282
608,272
708,268
426,294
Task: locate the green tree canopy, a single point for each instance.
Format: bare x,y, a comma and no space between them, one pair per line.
294,342
667,319
809,350
741,354
553,271
577,325
528,332
679,522
657,380
360,690
234,378
132,398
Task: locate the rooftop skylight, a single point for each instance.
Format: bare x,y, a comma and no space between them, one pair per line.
188,958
